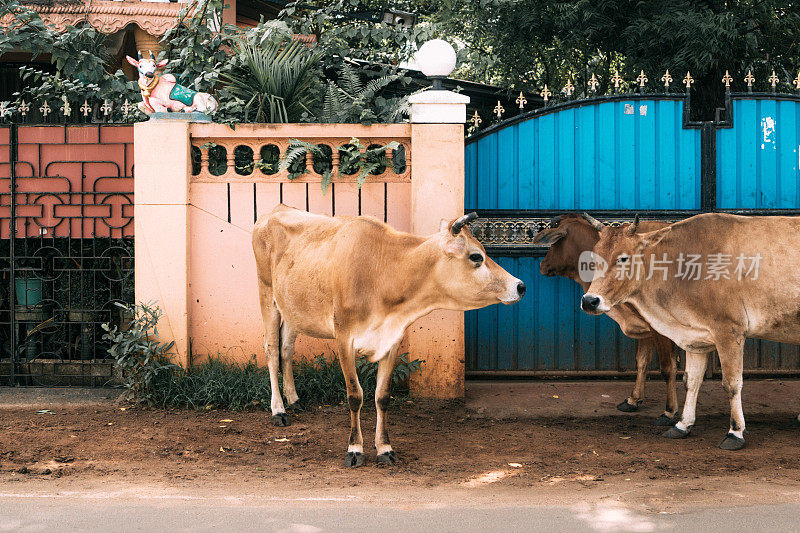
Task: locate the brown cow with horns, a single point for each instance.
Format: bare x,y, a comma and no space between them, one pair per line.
358,281
569,236
708,282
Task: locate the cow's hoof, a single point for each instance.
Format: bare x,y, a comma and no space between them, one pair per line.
676,433
626,407
354,459
664,420
387,458
280,420
731,442
296,406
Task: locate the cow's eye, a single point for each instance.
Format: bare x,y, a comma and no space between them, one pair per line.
476,258
622,259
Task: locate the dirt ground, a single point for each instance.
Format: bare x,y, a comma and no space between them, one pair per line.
443,450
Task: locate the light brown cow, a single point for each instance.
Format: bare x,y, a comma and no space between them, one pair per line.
358,281
747,285
569,236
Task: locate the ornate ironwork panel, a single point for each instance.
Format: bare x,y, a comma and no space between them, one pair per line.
66,250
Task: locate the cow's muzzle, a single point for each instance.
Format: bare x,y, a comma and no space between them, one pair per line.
593,304
515,292
521,289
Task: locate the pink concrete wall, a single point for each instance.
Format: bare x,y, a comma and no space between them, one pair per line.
193,249
224,315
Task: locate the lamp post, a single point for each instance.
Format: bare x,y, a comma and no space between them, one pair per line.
436,59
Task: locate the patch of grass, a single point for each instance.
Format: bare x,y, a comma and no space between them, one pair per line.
236,386
153,380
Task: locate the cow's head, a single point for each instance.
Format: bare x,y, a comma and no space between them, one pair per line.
147,67
568,236
619,247
466,275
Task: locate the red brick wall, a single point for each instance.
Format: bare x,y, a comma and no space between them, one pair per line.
72,181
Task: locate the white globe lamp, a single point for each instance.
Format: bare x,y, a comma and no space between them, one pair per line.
436,59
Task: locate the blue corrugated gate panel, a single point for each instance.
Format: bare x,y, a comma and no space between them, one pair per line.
618,155
757,159
591,157
613,156
546,331
757,168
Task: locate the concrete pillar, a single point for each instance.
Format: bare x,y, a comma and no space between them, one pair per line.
437,192
162,165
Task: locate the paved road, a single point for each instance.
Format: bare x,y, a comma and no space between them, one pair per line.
33,514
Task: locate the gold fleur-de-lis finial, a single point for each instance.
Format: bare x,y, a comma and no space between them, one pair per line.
24,108
66,109
749,79
727,79
688,80
498,110
86,108
796,81
521,101
45,109
641,78
568,88
593,83
616,78
667,79
127,107
476,120
546,94
105,108
773,80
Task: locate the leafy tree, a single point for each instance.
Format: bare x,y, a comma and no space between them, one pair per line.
79,54
195,49
525,44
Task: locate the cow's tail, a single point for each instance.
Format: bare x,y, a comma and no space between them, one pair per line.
280,340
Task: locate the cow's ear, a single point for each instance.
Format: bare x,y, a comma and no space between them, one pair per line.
655,237
162,63
132,61
456,246
444,226
549,237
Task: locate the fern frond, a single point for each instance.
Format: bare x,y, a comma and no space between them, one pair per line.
376,85
293,155
350,80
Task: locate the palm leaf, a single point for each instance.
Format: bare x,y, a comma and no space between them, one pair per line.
276,78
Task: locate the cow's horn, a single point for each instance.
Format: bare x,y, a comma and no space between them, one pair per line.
596,224
151,55
140,54
460,222
556,220
631,230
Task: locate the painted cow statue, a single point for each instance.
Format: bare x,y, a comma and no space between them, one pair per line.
162,93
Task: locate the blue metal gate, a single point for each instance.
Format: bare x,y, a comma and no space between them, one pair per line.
613,156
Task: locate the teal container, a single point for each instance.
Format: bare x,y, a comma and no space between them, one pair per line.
28,291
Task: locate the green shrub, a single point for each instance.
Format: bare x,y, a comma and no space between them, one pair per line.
154,381
139,355
237,386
